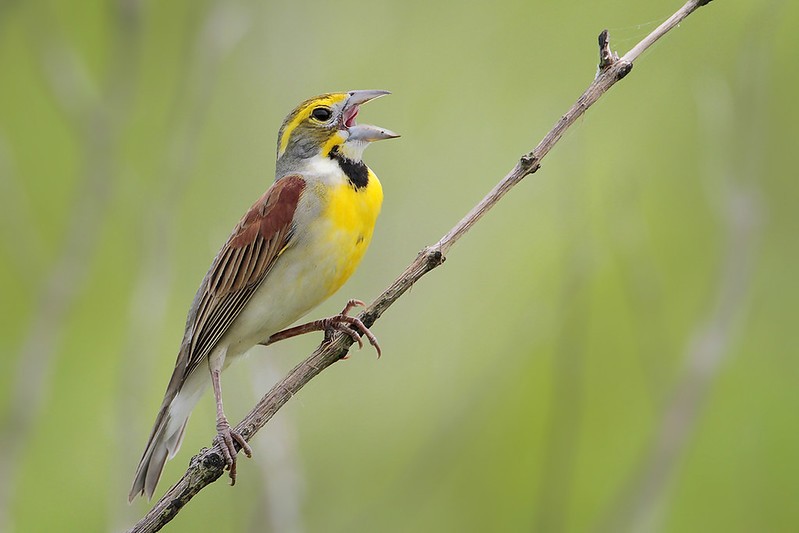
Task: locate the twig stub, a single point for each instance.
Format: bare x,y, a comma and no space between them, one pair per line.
608,58
606,55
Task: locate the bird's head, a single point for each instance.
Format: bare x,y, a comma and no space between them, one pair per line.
326,123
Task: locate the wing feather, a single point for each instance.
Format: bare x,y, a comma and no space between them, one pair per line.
237,271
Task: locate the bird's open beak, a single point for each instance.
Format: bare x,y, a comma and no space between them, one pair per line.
363,132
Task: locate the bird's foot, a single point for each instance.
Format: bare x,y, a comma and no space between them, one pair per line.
227,439
351,326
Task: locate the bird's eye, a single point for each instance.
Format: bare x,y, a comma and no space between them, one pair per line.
322,114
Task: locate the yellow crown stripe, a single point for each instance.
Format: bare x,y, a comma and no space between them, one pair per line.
303,111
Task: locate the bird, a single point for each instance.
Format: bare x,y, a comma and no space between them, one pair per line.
292,250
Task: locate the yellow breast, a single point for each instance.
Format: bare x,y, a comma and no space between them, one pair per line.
351,215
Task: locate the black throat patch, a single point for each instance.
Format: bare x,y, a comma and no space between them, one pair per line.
356,171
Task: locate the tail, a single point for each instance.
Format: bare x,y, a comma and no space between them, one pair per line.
167,435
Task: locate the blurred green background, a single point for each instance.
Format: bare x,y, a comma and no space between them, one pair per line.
613,348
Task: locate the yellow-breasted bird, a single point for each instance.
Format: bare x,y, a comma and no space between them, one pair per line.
293,249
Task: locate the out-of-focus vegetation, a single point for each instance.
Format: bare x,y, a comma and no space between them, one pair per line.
613,348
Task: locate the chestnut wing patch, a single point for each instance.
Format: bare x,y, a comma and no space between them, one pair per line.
239,267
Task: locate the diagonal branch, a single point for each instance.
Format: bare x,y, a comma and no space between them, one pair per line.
208,466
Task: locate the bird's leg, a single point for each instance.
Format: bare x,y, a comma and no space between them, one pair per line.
225,435
349,325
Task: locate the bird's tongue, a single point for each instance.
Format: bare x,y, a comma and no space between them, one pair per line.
349,116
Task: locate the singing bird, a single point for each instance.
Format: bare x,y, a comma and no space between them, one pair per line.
293,249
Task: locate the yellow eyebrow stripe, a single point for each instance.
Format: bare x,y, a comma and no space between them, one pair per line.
301,114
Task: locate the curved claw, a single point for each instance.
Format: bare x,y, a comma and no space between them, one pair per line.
352,326
351,304
353,335
368,334
225,438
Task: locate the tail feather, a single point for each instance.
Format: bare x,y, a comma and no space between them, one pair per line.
167,434
164,443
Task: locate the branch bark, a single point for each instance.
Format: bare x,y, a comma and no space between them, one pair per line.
208,465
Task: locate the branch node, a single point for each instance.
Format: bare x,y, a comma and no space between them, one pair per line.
434,257
211,459
624,70
368,318
529,163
